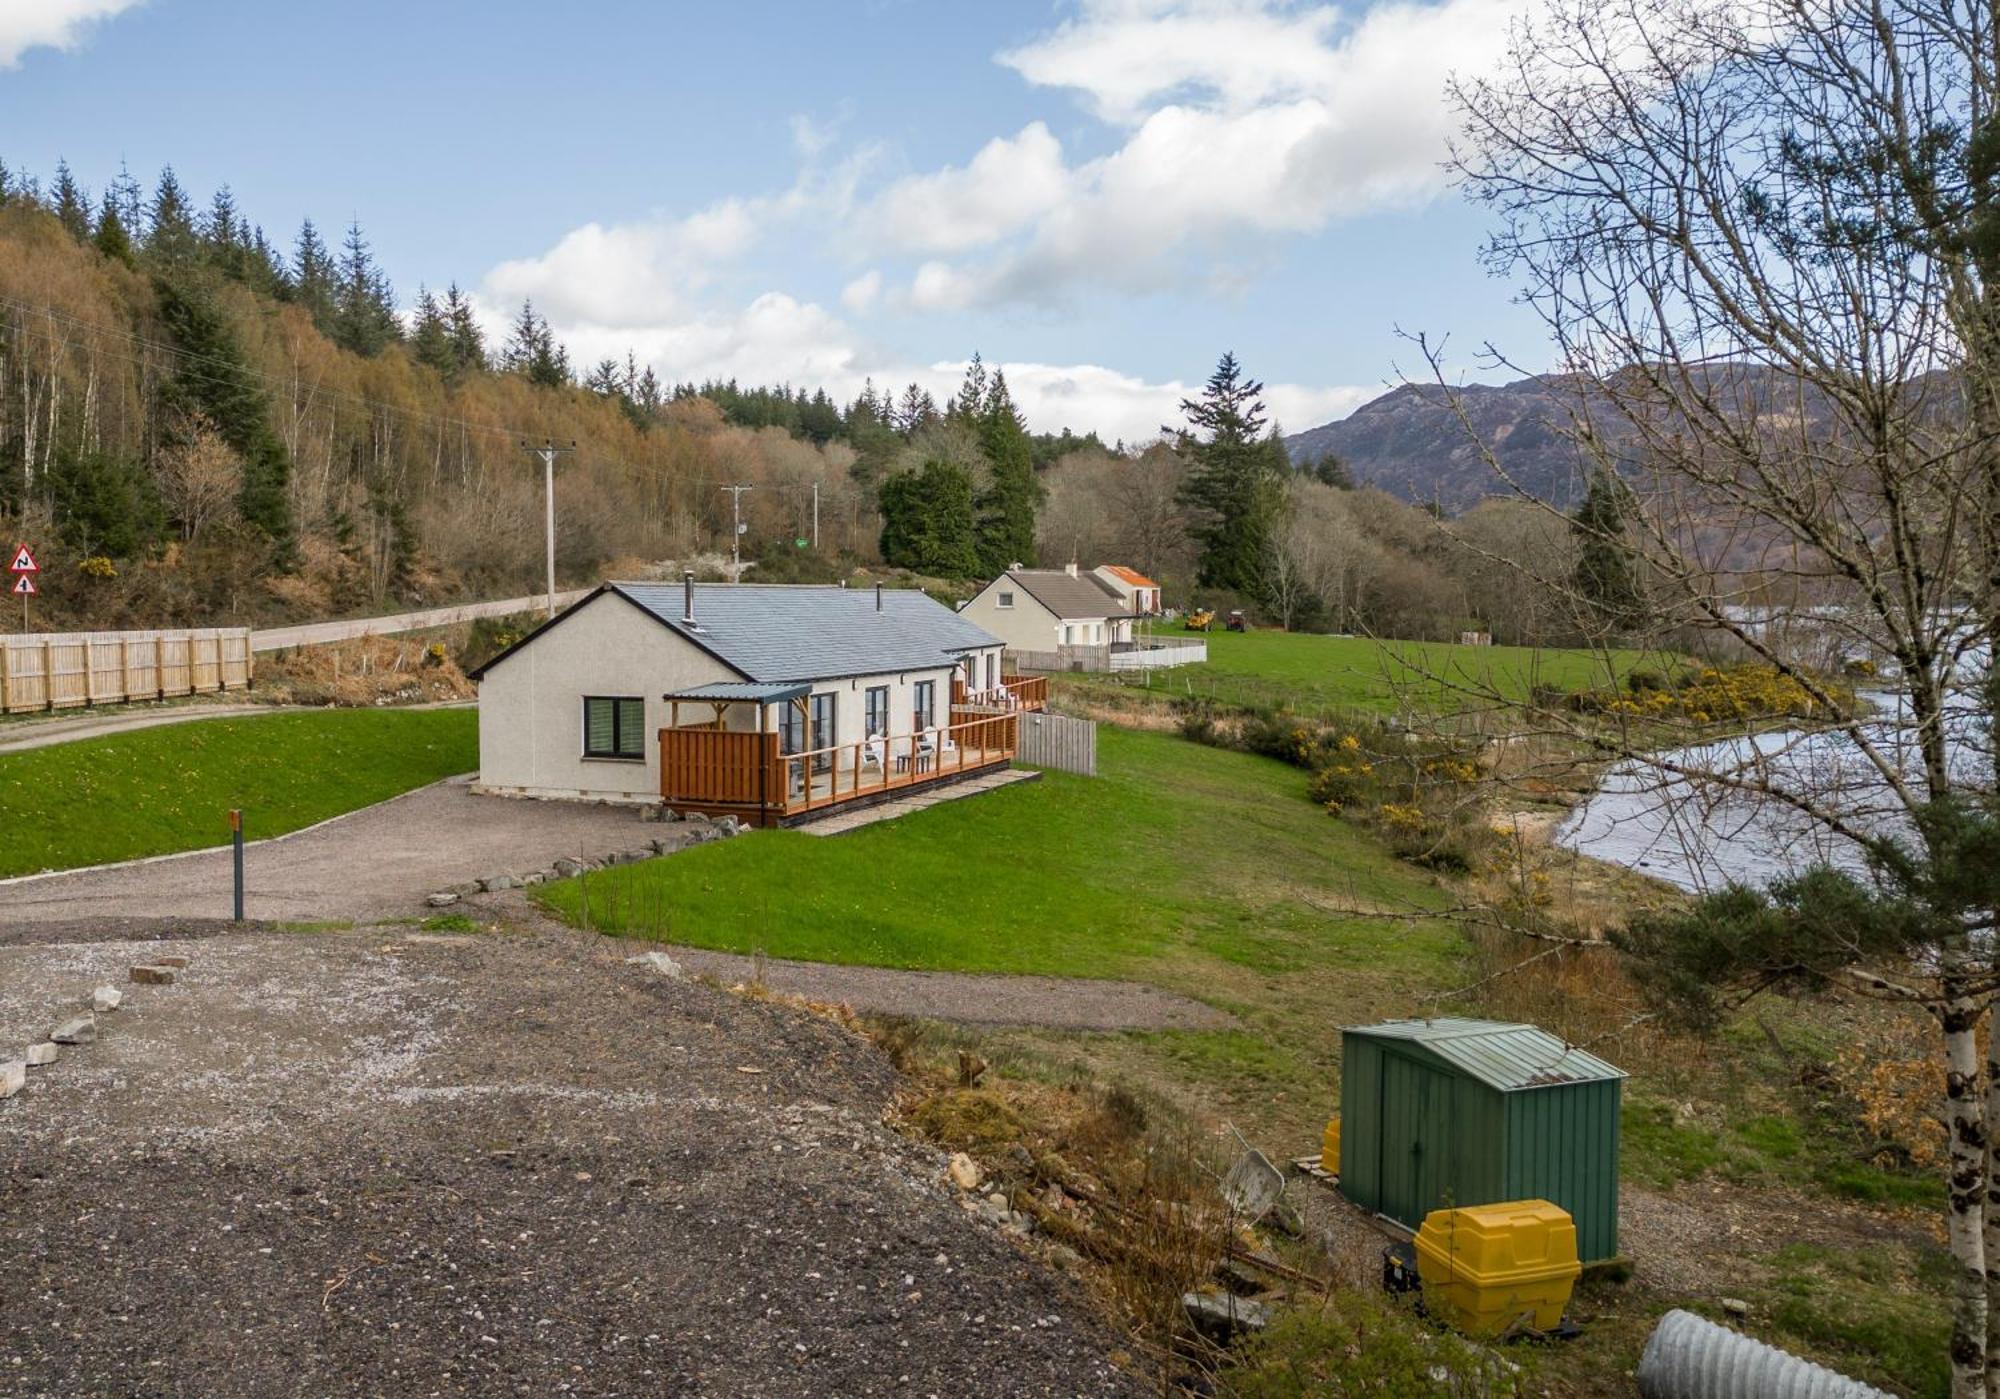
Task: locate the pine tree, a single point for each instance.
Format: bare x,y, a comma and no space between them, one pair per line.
1006,508
219,229
927,521
1235,481
70,203
605,379
364,318
1606,574
430,335
170,232
130,201
970,405
217,384
468,346
111,238
533,353
312,277
6,184
916,410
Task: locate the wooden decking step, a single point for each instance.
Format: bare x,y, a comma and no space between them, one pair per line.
924,797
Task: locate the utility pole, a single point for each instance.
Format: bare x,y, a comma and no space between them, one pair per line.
736,531
548,452
815,514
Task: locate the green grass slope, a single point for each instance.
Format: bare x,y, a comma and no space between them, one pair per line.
161,790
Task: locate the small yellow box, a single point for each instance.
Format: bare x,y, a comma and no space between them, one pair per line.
1488,1269
1329,1146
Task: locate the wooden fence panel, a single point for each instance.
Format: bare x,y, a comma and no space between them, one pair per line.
64,670
1060,742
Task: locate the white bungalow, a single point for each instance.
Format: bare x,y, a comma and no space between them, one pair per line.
769,703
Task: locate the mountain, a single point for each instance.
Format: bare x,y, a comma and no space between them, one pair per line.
1411,443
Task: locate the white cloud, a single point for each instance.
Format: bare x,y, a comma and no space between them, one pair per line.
860,295
54,24
1250,119
1007,186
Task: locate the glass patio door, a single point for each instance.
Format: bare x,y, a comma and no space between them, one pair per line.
824,713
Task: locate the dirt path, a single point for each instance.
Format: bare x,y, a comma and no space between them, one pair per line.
338,1164
1051,1002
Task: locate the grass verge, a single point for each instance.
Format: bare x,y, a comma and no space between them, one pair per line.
161,790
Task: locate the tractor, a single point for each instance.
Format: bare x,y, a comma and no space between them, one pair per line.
1201,619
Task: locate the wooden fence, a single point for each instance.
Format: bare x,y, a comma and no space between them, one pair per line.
1060,742
66,670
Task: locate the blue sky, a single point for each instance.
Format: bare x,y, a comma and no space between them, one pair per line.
1100,195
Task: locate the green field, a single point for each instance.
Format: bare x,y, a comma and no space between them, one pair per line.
1197,869
1308,673
156,791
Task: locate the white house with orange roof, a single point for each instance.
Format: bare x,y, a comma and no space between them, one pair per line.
1140,593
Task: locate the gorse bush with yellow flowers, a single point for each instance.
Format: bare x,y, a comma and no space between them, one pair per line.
1417,792
1705,695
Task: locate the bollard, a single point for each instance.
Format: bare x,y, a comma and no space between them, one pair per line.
236,841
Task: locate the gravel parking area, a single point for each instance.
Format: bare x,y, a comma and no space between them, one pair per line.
377,862
391,1162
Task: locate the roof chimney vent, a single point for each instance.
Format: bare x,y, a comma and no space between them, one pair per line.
687,597
878,597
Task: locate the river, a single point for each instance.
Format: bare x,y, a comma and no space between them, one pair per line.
1694,832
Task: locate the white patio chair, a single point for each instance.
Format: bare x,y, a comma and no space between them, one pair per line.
871,754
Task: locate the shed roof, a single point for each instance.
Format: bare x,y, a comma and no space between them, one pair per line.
1070,596
731,690
770,634
1505,1056
1131,576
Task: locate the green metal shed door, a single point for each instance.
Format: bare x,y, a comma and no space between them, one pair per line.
1416,1139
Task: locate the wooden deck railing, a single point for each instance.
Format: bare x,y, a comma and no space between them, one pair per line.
729,770
1017,692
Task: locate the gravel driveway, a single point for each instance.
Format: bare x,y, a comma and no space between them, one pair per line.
373,863
340,1164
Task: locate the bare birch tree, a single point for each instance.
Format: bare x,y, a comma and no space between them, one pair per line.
1763,237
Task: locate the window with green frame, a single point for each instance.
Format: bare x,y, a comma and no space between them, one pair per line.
614,727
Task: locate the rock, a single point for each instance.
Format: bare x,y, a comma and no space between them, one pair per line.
660,846
80,1029
151,975
496,883
1736,1306
443,900
42,1054
635,856
106,998
697,818
13,1077
567,868
650,813
528,881
659,962
964,1172
667,813
1223,1315
171,959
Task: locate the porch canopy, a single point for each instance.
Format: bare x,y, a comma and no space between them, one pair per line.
723,693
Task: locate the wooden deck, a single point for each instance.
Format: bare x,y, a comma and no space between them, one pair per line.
727,772
1016,692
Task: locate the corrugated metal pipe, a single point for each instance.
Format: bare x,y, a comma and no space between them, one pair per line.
1688,1357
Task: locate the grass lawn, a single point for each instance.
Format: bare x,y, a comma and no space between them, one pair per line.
156,791
1316,673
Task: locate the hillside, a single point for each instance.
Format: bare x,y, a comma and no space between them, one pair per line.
1410,443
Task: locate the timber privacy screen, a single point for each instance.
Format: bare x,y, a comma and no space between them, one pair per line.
1446,1113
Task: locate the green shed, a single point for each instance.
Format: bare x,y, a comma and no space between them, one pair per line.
1438,1113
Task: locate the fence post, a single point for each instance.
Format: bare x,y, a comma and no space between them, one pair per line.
236,843
48,672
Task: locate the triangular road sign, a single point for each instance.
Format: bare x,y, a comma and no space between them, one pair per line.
24,562
24,586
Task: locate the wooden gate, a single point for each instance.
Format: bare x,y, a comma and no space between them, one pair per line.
1060,742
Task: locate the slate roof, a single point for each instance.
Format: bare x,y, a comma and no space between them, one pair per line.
770,634
1505,1056
1070,597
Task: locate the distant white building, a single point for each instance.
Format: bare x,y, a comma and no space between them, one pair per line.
1042,610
